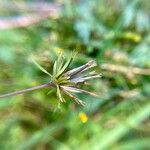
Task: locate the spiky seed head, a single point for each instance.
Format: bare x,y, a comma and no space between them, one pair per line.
66,81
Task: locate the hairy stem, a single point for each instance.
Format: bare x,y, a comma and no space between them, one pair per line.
50,84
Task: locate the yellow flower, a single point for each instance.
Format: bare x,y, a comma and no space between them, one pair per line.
133,36
83,117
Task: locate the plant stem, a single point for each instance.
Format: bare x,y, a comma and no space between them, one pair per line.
50,84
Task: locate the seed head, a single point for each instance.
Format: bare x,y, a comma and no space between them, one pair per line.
66,81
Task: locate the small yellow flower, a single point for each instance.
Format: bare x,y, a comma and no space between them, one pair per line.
133,36
83,117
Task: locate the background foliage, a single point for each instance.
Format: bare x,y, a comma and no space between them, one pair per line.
116,35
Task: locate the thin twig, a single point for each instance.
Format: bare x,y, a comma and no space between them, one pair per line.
50,84
127,70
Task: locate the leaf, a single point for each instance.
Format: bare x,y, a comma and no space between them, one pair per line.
41,68
55,68
40,136
121,129
58,64
50,92
66,65
140,143
59,95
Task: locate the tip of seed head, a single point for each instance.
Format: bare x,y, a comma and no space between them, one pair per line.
91,63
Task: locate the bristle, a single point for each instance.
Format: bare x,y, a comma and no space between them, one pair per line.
91,63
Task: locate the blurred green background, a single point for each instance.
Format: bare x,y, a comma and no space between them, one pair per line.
113,32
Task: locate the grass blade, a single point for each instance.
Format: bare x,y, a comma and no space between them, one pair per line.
121,129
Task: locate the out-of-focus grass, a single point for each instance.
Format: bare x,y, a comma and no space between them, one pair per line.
109,31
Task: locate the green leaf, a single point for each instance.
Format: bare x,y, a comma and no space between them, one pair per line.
66,65
38,137
58,64
122,128
55,68
135,144
59,95
41,68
